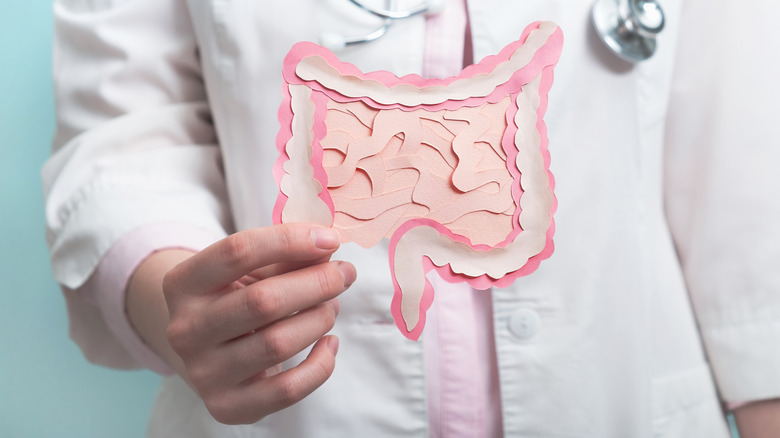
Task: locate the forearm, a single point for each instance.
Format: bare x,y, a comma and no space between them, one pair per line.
146,307
759,419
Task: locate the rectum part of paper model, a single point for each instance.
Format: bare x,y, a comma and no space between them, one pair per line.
455,171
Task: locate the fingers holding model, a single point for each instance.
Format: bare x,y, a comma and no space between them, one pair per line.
249,302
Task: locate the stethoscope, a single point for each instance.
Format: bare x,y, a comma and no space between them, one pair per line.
388,14
628,27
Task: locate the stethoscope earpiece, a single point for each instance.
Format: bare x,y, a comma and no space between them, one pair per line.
629,27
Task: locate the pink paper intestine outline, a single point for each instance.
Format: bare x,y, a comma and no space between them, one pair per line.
543,62
484,281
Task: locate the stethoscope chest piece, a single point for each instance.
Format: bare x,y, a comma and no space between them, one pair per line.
629,27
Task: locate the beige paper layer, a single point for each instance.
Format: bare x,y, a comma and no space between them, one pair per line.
536,204
298,184
314,68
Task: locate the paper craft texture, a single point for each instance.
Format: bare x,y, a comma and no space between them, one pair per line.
455,172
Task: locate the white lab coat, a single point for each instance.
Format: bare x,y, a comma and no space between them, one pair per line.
669,158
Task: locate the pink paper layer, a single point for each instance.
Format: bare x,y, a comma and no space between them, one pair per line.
364,150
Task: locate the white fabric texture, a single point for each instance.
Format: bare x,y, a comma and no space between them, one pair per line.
721,190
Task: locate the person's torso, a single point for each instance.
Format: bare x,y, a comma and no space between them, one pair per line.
615,351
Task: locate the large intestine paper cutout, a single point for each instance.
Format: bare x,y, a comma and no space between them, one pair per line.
455,172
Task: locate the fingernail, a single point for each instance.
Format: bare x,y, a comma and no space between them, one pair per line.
336,305
333,344
325,238
349,273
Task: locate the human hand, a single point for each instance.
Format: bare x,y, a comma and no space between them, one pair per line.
759,419
244,305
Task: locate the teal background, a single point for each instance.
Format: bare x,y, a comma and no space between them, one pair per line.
47,389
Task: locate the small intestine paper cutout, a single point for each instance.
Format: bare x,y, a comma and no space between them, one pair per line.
455,172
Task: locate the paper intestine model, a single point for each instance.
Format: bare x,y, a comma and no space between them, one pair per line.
455,172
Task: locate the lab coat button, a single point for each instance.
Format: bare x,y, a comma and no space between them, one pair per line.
524,323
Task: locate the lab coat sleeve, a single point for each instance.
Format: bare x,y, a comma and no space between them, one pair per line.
135,148
721,159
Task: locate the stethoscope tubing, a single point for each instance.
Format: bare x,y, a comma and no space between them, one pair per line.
391,14
619,24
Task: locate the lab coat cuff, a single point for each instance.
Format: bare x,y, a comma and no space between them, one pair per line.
745,358
110,279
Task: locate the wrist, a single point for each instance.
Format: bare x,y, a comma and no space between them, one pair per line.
760,419
145,304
